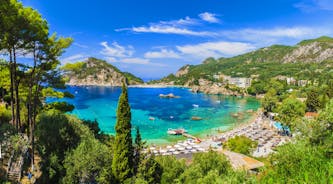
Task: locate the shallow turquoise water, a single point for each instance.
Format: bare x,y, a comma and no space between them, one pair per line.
100,103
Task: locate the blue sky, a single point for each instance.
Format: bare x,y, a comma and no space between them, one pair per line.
152,38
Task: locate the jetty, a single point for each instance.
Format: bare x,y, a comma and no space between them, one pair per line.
191,136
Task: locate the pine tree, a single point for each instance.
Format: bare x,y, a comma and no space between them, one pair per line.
122,163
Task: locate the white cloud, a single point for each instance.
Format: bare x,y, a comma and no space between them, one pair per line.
111,59
170,30
180,27
73,58
209,17
135,61
163,53
127,60
278,35
116,50
80,45
180,22
324,4
215,49
313,5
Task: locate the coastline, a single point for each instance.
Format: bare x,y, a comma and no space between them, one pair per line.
214,132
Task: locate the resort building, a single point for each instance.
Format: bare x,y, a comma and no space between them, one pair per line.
241,82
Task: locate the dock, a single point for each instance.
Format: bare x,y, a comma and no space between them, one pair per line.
191,136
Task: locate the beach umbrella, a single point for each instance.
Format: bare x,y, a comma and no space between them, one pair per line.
181,149
172,150
163,151
196,146
177,146
193,151
169,147
188,147
155,151
176,153
201,149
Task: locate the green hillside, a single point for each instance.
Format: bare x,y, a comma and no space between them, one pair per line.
94,66
268,62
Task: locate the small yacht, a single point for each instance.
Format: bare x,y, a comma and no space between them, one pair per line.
151,118
179,131
195,105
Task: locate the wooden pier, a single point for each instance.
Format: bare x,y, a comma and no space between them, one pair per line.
191,136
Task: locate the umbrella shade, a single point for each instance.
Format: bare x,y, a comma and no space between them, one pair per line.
180,149
172,150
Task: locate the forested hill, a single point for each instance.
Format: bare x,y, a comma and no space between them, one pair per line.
97,72
305,60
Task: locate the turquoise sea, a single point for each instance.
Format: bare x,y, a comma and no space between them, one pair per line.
216,111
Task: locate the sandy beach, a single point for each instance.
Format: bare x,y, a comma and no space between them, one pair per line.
257,128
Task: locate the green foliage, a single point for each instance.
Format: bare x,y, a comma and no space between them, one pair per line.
150,170
60,106
240,144
290,110
270,100
299,163
266,63
211,167
172,168
319,132
94,128
122,163
5,114
138,148
83,70
88,163
55,135
322,39
74,67
313,102
131,78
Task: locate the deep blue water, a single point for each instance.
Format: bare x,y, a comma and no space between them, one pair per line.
100,103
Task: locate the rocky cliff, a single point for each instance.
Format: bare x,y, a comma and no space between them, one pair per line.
98,73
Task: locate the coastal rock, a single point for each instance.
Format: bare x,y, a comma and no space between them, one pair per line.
170,95
196,118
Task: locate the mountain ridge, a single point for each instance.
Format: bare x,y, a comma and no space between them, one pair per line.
307,58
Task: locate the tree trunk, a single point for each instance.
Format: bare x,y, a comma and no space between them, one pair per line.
36,96
17,99
11,86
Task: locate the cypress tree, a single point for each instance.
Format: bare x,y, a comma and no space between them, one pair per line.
138,147
122,163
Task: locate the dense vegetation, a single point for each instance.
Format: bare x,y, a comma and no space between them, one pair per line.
70,150
241,144
262,64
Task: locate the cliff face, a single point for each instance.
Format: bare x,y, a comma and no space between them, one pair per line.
312,52
98,73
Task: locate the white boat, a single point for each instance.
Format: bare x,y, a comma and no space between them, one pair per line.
195,105
176,131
